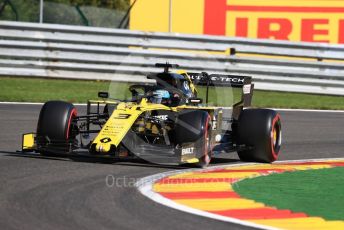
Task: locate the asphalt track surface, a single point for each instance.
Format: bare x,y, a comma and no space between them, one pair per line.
63,193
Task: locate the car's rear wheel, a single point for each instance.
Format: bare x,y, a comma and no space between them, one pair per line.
193,126
56,129
260,132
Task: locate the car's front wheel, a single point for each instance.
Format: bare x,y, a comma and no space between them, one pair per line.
56,127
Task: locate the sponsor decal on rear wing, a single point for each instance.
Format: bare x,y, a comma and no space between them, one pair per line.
222,80
205,79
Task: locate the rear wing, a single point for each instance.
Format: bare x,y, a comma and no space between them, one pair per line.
205,79
222,80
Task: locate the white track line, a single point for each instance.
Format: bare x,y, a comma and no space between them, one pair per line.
309,110
32,103
278,109
20,103
145,186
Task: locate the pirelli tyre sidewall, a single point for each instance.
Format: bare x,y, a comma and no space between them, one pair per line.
260,130
194,126
54,128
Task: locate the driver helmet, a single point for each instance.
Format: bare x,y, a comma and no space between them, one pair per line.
161,95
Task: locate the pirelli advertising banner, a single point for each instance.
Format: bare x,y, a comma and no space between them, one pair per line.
295,20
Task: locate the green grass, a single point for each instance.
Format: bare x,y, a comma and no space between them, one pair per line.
40,90
296,100
314,192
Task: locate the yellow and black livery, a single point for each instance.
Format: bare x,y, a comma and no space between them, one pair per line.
163,123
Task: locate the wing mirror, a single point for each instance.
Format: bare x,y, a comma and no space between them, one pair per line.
103,94
194,101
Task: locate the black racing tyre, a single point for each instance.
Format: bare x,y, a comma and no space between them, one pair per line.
56,127
260,130
194,126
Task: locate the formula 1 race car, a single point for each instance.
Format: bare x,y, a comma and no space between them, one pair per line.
164,122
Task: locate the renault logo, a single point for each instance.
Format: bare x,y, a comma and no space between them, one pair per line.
105,140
